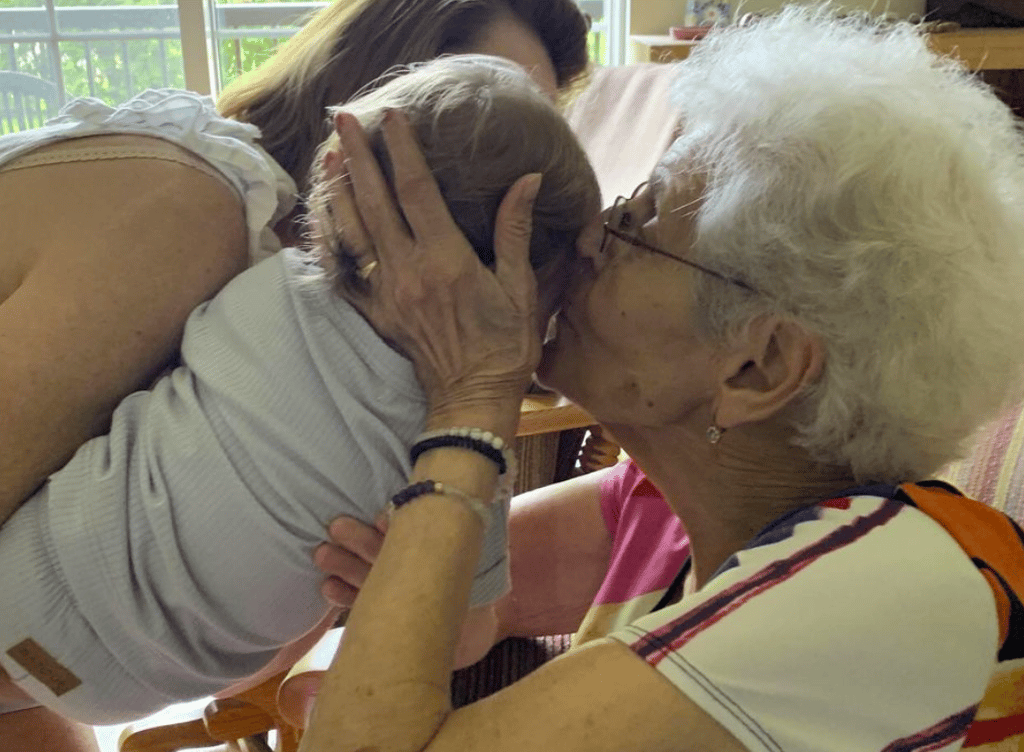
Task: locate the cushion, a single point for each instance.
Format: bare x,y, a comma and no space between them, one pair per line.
993,472
625,122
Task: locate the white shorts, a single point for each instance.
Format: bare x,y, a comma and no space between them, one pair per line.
46,645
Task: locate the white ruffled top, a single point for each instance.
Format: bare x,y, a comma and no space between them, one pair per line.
191,121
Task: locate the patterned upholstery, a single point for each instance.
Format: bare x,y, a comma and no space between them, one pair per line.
993,472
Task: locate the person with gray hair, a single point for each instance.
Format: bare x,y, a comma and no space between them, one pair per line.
171,556
806,311
119,219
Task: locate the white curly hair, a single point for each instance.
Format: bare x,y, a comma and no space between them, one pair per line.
873,192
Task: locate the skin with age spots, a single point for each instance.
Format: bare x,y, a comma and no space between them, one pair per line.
620,346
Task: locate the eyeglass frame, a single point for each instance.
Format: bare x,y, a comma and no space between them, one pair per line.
638,242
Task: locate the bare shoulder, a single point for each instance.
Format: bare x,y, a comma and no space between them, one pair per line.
103,260
92,199
62,194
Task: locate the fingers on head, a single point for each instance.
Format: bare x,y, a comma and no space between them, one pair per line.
415,186
372,197
513,233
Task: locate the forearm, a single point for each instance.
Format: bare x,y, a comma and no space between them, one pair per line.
559,550
473,335
389,686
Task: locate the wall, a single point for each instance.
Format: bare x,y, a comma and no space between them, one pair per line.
655,16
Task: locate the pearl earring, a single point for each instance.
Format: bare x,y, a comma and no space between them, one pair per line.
714,434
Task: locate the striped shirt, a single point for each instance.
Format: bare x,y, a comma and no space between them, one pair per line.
887,619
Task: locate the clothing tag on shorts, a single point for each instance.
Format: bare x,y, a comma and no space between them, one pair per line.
43,667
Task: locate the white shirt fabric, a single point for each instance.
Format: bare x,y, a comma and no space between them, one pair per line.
858,628
173,555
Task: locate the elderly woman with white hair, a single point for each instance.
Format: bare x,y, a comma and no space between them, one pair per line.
796,322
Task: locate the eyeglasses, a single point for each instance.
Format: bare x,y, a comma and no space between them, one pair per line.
619,217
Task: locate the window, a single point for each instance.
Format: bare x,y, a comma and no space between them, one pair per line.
55,50
608,30
247,32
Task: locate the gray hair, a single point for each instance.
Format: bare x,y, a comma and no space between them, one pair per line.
482,123
871,191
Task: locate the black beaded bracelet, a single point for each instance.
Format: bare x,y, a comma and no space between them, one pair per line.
488,450
414,491
424,487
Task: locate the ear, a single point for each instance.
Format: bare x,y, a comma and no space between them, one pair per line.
774,362
332,162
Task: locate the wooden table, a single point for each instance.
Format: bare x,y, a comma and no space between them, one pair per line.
983,49
656,48
979,49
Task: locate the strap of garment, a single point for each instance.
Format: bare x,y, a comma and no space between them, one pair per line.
105,147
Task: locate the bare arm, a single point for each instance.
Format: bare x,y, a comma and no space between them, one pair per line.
560,548
116,255
598,698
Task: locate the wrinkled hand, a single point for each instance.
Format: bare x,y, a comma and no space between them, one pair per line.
472,334
347,559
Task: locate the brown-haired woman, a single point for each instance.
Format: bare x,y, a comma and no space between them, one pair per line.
114,233
353,42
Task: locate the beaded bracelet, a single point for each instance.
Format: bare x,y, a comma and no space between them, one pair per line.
425,487
482,442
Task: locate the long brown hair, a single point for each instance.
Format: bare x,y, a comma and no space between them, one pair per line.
351,43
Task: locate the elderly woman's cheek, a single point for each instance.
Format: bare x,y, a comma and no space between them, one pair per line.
639,352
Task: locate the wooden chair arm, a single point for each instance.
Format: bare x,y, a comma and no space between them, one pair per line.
167,738
225,720
299,688
230,718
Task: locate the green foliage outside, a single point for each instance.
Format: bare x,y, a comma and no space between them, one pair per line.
597,47
114,70
240,55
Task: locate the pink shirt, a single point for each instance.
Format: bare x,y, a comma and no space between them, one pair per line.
649,549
